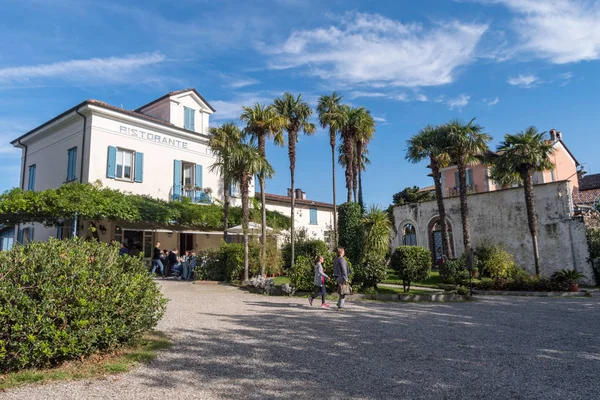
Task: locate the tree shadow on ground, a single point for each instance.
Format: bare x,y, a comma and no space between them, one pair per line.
491,348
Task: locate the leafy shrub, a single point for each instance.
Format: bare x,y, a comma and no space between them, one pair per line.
453,271
262,284
495,262
485,284
62,300
306,248
302,275
462,290
288,289
350,231
226,263
593,239
411,263
522,282
370,272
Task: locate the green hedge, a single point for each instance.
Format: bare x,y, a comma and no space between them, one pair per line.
593,239
306,248
350,231
226,262
411,263
303,274
62,300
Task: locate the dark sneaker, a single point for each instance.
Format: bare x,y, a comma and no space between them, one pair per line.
310,300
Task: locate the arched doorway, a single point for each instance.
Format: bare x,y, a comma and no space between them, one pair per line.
409,235
436,243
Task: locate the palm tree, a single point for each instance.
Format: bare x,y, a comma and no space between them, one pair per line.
520,156
331,115
364,136
356,120
246,161
295,113
377,230
222,140
263,123
466,144
430,144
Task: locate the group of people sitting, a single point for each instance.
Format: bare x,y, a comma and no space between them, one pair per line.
166,260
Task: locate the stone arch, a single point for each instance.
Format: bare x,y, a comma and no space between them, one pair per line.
434,236
400,232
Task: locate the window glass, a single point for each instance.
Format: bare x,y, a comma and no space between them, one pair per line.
188,174
124,164
409,235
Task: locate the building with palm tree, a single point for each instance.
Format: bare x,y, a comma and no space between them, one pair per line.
160,149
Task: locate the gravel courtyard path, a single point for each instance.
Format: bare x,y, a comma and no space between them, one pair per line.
230,345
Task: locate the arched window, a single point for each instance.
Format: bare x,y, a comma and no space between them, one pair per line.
435,239
409,235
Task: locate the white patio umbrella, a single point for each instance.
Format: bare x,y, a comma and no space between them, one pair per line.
253,229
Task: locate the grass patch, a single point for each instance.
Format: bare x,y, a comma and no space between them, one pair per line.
281,280
432,281
120,360
390,290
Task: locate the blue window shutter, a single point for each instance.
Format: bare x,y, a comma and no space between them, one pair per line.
192,117
20,236
71,164
456,180
31,183
313,216
138,168
177,174
231,189
469,177
30,238
199,175
111,164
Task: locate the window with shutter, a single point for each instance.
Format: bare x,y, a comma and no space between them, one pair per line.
31,182
313,216
188,118
71,164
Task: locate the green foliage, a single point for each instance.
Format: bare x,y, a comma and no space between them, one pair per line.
523,282
593,239
307,248
568,276
376,233
302,275
350,231
411,263
226,263
370,272
62,300
92,202
462,290
497,263
411,195
453,271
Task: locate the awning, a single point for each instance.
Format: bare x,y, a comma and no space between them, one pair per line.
253,229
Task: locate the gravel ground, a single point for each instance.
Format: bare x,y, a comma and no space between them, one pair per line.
230,344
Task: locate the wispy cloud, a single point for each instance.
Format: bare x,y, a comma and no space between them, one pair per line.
238,83
355,95
524,81
380,119
232,108
10,129
458,102
562,31
492,102
374,50
107,70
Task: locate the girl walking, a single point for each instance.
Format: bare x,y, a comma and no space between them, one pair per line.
320,276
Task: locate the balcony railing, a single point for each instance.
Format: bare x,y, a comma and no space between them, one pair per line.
455,192
196,195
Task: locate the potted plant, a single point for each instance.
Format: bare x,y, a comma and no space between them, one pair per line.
568,277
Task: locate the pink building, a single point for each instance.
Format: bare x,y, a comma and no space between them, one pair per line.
478,181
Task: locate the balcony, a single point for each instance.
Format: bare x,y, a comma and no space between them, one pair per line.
454,192
195,194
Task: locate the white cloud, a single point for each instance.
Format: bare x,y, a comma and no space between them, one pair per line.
562,31
238,83
525,81
232,108
355,95
372,49
380,119
458,102
492,102
107,70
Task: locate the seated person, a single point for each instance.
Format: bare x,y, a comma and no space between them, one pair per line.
174,260
189,264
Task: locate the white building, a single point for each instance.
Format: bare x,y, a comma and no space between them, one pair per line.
159,149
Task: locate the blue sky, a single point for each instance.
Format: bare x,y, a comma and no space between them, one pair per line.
510,63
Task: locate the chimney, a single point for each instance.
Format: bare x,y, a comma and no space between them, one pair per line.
298,193
289,191
303,195
559,135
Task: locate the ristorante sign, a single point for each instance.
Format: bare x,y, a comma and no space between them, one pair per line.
152,137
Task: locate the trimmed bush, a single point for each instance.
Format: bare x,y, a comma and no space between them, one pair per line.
495,262
306,248
350,231
454,271
302,275
66,299
226,263
411,263
368,274
593,239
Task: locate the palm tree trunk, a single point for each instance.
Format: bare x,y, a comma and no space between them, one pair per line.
263,228
292,156
532,218
358,161
349,156
360,193
355,182
332,135
245,222
225,207
437,181
464,208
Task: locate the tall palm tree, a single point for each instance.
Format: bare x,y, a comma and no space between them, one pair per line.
356,120
331,115
430,144
246,161
295,113
363,138
222,140
520,156
466,145
263,123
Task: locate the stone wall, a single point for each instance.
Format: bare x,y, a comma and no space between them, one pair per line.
500,217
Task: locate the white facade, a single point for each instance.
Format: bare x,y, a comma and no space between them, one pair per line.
160,150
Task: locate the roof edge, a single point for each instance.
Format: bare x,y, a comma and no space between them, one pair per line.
175,93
